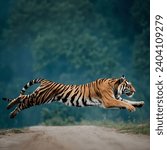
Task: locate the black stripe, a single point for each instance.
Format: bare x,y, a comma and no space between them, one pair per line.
63,89
89,93
43,87
46,94
30,101
58,85
59,88
59,97
98,93
73,97
40,94
58,93
66,97
83,98
26,86
43,92
67,87
31,82
38,80
22,91
77,104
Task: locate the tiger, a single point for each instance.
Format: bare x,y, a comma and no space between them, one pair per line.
104,92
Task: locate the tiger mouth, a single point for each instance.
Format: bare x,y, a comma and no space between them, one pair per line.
130,94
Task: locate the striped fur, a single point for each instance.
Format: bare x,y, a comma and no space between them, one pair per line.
102,92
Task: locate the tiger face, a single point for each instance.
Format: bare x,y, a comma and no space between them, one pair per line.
125,87
129,90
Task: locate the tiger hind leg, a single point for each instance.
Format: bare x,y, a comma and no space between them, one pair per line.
15,101
23,102
19,101
15,112
12,102
7,99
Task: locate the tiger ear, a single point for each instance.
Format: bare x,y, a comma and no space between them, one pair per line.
123,76
120,80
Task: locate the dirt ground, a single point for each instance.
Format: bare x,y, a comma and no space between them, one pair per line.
73,138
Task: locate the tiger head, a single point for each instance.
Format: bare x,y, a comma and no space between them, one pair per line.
124,87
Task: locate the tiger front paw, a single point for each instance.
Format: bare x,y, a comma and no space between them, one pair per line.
141,104
131,108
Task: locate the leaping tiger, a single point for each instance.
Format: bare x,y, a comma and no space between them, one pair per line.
101,92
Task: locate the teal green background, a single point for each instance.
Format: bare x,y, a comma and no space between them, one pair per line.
73,42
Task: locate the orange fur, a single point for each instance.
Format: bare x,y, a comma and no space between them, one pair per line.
102,92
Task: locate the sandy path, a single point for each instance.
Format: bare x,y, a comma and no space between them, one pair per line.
73,138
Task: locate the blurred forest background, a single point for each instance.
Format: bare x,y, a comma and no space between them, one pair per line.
73,42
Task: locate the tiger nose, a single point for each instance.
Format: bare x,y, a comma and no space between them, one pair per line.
134,90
